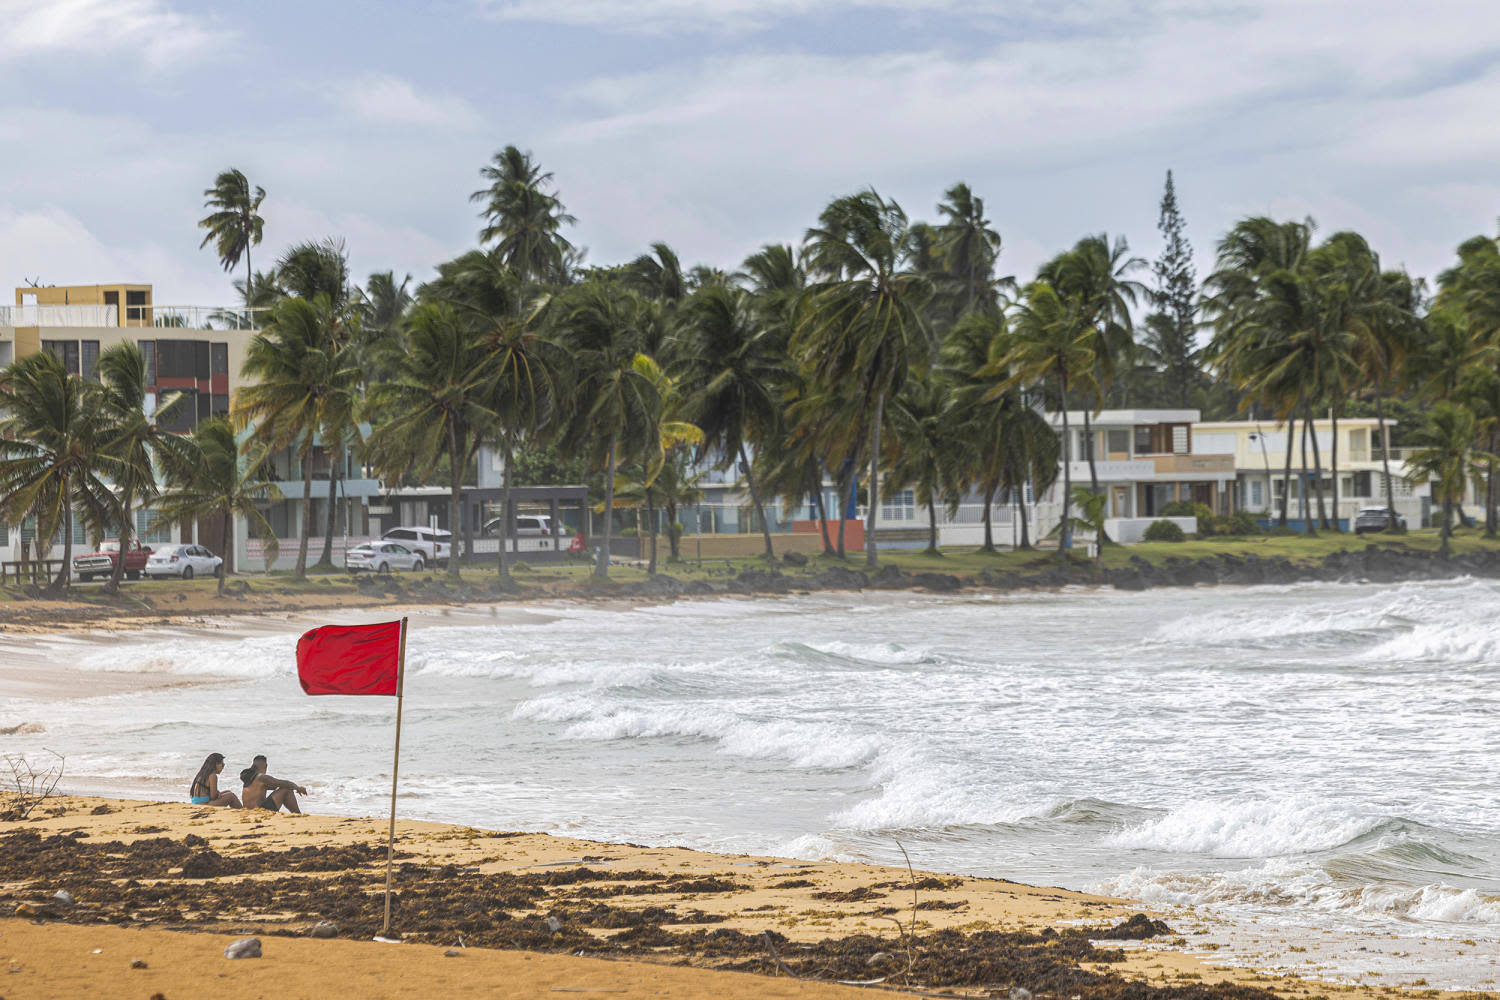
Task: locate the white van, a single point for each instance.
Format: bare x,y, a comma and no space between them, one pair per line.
435,546
534,532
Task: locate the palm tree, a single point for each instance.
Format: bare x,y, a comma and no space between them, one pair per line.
522,218
233,221
667,434
968,246
732,374
1254,301
658,275
133,440
1092,511
603,326
51,454
1446,458
1049,343
304,383
1095,274
928,448
209,477
436,405
864,329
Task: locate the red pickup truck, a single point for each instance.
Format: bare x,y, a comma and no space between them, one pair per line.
102,562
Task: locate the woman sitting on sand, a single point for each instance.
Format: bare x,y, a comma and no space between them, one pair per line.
205,790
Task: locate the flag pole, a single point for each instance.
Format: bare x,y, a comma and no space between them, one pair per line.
390,844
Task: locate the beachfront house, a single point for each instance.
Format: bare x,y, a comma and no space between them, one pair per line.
194,350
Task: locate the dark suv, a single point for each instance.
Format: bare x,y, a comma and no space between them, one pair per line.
1376,519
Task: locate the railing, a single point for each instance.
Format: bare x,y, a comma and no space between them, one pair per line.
35,315
167,317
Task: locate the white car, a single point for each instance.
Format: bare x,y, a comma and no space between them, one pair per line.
382,557
433,545
186,561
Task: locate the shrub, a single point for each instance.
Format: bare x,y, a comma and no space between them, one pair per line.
520,566
1164,531
1178,508
1241,522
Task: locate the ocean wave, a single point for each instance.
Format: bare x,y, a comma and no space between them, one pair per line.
1459,642
863,654
1248,828
802,744
1285,884
918,795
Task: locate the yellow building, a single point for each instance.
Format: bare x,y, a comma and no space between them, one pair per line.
199,351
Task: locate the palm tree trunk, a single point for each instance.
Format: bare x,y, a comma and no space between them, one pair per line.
989,524
307,514
224,548
650,525
845,486
1286,482
1302,508
117,572
765,526
1447,529
335,466
601,569
1065,533
815,477
1385,462
1312,430
1020,501
508,447
872,555
674,537
64,572
456,464
1489,493
1333,462
1088,450
932,545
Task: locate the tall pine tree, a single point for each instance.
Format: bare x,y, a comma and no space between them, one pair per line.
1171,329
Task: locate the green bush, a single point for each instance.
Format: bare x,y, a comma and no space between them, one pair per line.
520,566
1178,508
1241,522
1164,531
1208,524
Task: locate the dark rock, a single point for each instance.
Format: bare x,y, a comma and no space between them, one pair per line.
942,582
841,578
137,963
244,948
452,953
888,577
1126,579
324,929
1137,928
768,581
698,587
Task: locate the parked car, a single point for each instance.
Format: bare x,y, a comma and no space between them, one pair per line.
434,545
1376,519
101,562
534,532
382,557
186,561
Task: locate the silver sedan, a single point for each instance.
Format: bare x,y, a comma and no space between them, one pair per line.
382,557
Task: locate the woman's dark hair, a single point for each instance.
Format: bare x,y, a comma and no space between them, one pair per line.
247,776
201,781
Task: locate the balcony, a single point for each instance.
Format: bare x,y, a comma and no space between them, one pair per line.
165,317
1171,465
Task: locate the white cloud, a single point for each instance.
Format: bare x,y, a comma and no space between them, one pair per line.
148,29
657,16
394,101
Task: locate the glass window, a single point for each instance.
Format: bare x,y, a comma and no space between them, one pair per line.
1119,441
151,528
1257,493
1179,439
148,351
901,506
220,359
4,533
89,359
1143,440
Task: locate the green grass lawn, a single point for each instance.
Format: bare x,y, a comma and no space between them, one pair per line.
962,562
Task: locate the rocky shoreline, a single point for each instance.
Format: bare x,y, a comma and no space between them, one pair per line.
1370,565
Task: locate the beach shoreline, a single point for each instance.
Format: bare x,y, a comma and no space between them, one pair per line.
672,921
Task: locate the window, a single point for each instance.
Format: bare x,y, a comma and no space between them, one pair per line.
89,359
148,351
184,415
65,351
219,363
1143,440
1119,441
151,528
1179,439
135,305
201,364
220,405
4,534
1361,485
1257,493
901,506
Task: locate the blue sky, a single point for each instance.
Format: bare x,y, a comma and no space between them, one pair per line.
719,125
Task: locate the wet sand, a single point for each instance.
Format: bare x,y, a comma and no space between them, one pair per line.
529,914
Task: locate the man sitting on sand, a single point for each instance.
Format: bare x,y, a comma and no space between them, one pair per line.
267,792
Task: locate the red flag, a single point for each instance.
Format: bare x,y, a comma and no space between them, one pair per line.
350,659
